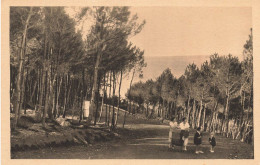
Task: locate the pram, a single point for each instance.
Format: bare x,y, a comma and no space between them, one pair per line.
177,138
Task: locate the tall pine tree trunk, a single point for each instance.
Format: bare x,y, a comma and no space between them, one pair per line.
102,102
199,114
94,88
168,110
242,113
33,92
97,101
193,113
163,110
105,97
113,101
41,104
225,120
212,117
55,98
67,95
188,110
21,63
58,96
25,87
128,97
46,99
204,116
118,104
110,87
43,82
46,106
82,94
47,86
52,97
21,104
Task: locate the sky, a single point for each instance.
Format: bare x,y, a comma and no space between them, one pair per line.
174,37
192,31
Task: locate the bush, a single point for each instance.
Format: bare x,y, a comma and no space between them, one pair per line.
25,122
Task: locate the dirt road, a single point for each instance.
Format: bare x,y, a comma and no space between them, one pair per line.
142,139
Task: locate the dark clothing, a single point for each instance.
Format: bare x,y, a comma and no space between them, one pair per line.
197,138
212,141
177,142
184,133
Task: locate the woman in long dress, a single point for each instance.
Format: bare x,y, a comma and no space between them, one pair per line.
184,134
173,125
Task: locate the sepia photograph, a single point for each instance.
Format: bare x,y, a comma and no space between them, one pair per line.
131,82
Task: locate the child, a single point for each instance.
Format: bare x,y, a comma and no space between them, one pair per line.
197,141
212,141
173,125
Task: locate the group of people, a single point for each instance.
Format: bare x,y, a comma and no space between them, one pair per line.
184,136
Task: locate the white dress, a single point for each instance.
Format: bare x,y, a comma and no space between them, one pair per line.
183,126
173,125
